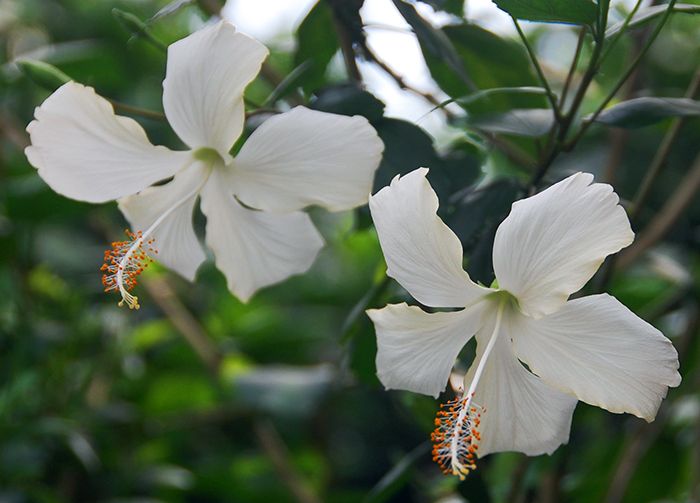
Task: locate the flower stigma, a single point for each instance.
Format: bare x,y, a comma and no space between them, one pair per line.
456,436
124,262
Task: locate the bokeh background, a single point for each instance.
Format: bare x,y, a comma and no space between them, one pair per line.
200,398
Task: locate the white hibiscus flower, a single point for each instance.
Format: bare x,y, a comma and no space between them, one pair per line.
591,349
252,202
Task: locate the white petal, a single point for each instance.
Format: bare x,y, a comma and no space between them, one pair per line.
254,248
522,413
177,244
552,243
416,350
304,157
597,349
421,252
86,152
206,75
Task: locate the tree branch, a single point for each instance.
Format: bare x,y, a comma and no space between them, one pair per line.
630,70
685,193
662,153
271,442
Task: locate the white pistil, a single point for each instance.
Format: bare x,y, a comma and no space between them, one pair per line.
456,436
465,412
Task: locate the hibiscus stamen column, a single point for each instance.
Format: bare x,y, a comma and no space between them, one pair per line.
456,436
126,260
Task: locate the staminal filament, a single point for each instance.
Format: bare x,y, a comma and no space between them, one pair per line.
126,260
456,436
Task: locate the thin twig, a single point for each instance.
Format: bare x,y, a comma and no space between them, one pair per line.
572,68
13,131
163,294
662,154
266,434
271,442
132,110
533,58
511,151
517,480
645,434
430,98
562,127
618,142
347,49
630,70
211,7
685,193
643,437
695,459
623,28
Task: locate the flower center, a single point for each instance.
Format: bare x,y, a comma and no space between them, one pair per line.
456,436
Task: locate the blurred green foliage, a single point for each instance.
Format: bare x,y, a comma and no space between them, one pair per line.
197,397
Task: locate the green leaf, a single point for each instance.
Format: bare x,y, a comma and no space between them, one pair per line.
475,217
408,147
551,11
348,99
640,112
455,7
317,43
530,122
169,9
490,62
479,95
137,27
647,14
433,41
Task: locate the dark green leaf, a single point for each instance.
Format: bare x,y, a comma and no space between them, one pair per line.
647,14
348,99
455,7
474,218
408,147
640,112
479,95
477,208
317,43
551,11
491,62
530,122
434,41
